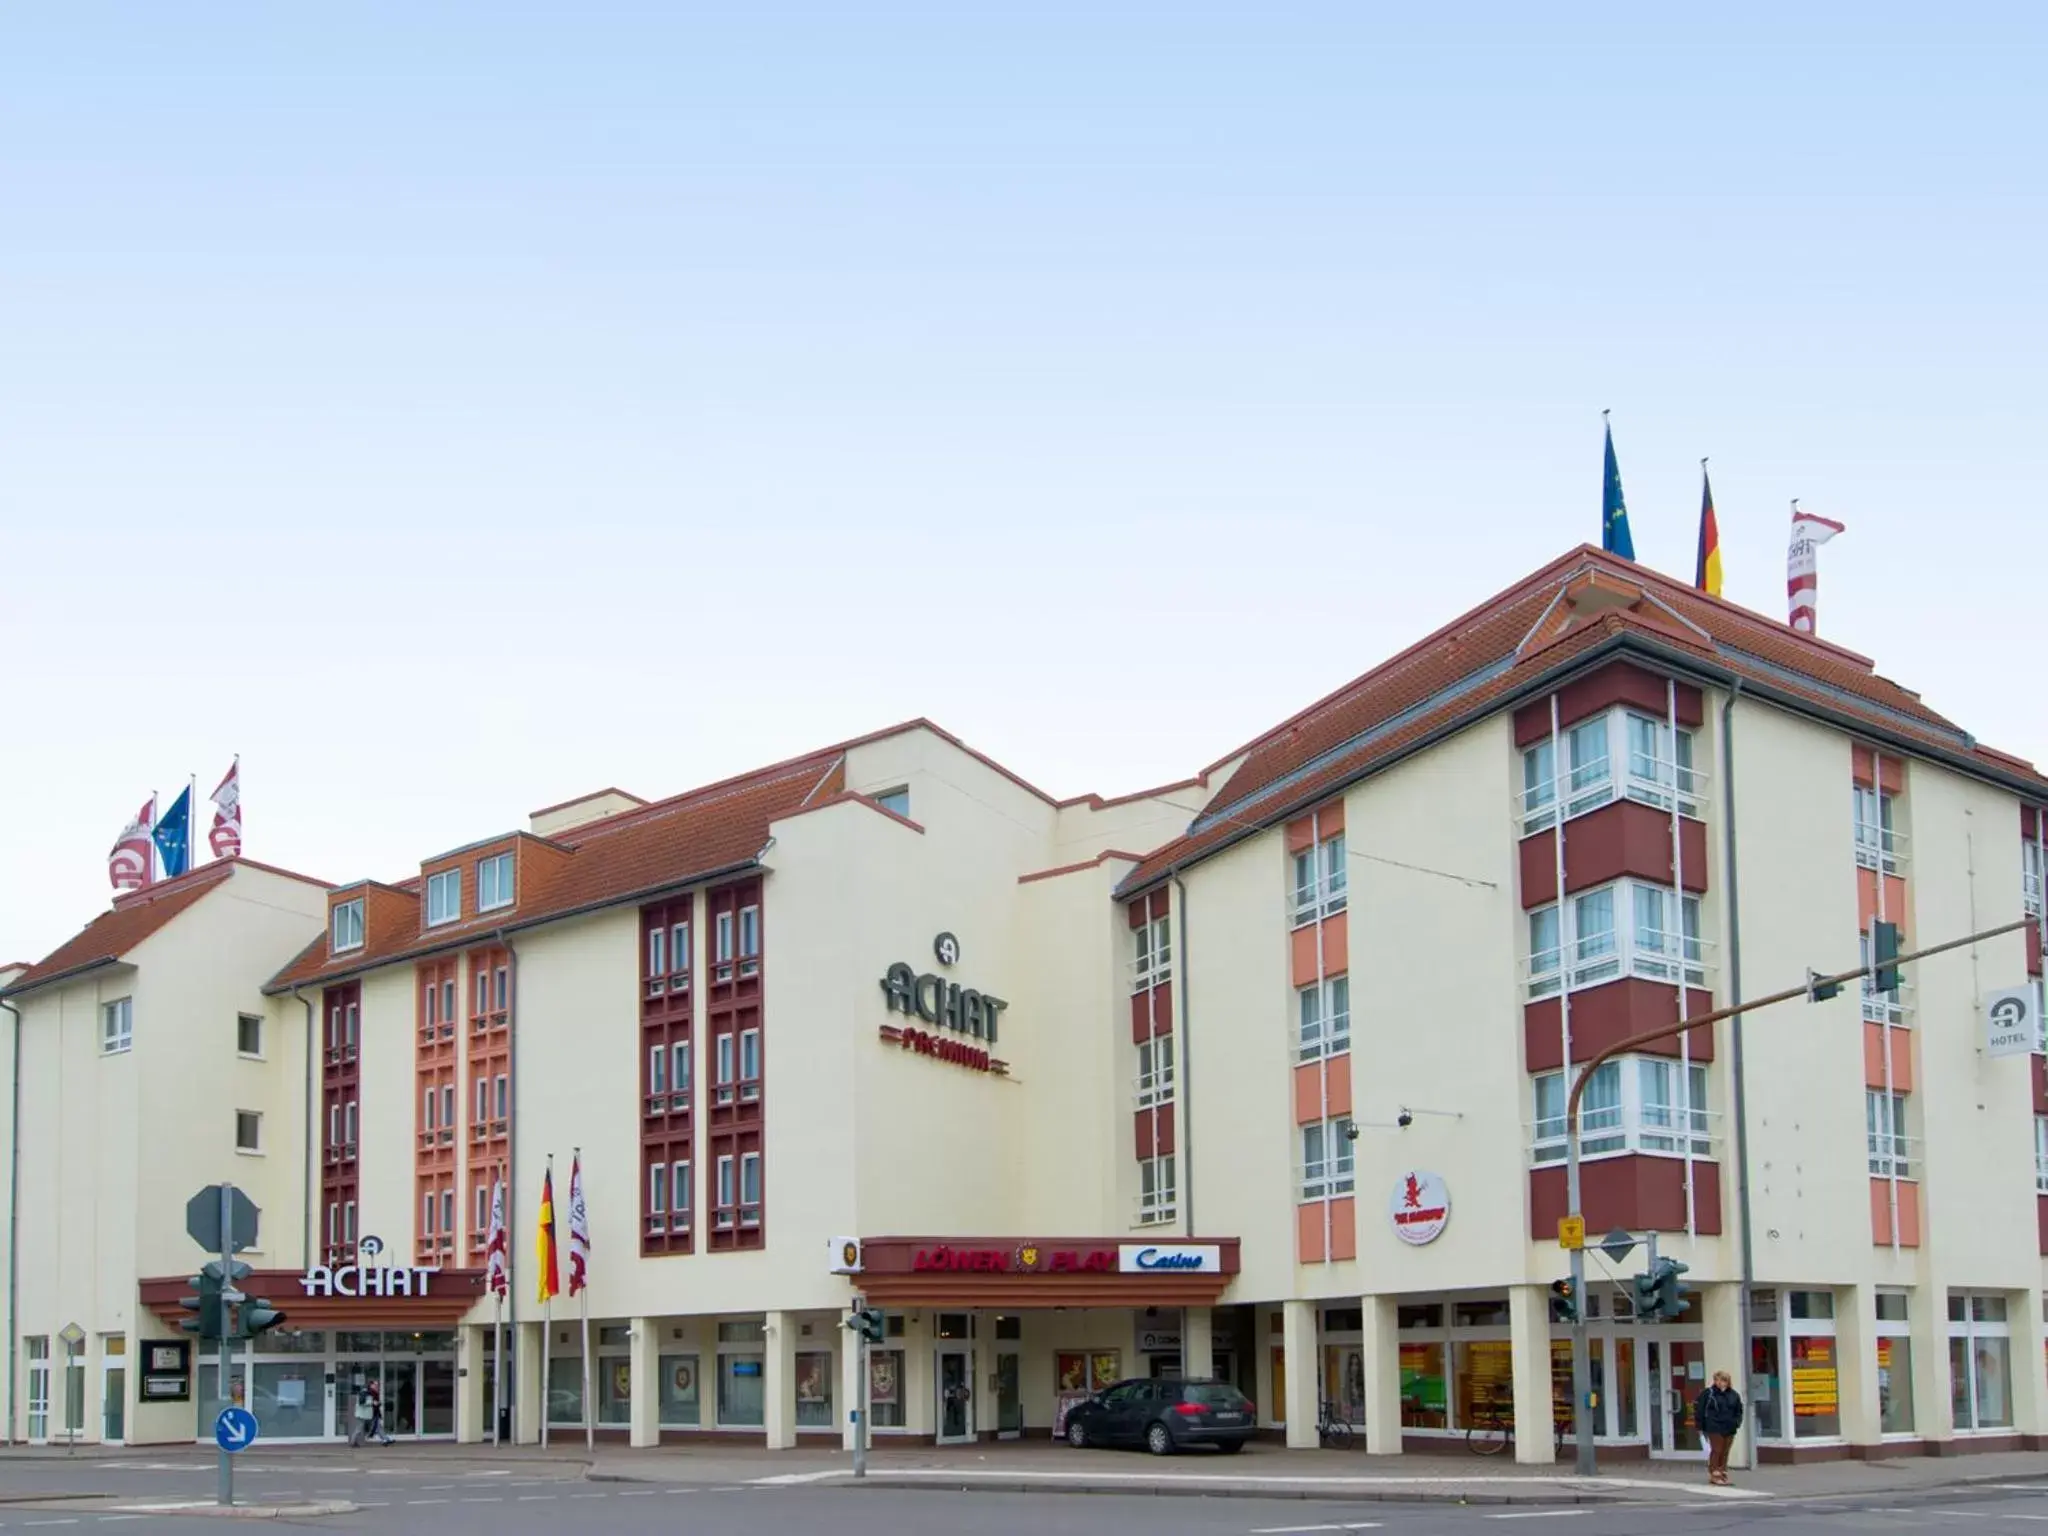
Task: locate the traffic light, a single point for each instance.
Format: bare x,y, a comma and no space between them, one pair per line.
204,1305
256,1317
1660,1295
1564,1302
1884,957
1818,991
868,1324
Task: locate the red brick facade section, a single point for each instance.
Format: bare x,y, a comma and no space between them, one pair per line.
436,1119
667,1077
489,1049
341,1075
1621,838
1621,683
1644,1194
1607,1014
735,1097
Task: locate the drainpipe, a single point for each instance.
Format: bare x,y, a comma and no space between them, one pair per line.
1184,1119
13,1223
1741,1100
309,1195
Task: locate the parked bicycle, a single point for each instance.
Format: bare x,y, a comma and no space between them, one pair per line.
1492,1429
1331,1429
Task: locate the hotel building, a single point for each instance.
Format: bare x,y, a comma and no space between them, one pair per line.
1076,1090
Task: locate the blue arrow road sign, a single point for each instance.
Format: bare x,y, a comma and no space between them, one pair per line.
235,1429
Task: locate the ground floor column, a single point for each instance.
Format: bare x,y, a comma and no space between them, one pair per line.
644,1377
1726,1350
778,1385
1379,1318
2029,1388
1298,1361
1197,1343
1927,1315
1529,1325
472,1414
529,1400
1856,1362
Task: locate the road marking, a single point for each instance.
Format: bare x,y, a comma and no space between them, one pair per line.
537,1498
484,1501
1536,1514
2023,1517
426,1501
1293,1530
50,1522
643,1493
110,1519
588,1495
438,1488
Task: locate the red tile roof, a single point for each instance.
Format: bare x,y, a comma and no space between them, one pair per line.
1481,662
621,858
134,917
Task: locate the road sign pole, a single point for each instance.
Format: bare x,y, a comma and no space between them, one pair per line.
225,1477
1582,1356
860,1428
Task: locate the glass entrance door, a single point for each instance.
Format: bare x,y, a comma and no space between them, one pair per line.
401,1397
955,1377
1009,1397
1677,1376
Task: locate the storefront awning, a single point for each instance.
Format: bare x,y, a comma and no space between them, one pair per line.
1024,1272
343,1297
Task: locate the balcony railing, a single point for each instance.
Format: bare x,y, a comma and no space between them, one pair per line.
1660,1130
1879,845
1153,1088
1893,1156
1142,975
1594,958
1156,1206
1887,1008
1651,781
1325,897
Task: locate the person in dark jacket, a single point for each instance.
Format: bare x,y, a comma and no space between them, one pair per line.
1718,1414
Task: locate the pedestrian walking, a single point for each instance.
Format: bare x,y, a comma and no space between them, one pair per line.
364,1427
1718,1414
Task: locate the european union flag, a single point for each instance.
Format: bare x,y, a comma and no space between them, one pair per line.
173,834
1614,535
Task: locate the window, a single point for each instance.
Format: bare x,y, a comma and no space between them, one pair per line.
483,991
724,1079
348,1125
750,1063
483,1210
448,1001
38,1386
429,1101
493,882
427,1214
1156,1192
447,1215
448,1105
1673,1097
679,1194
117,1025
1539,786
1876,838
750,1189
896,801
724,939
504,1084
1151,953
657,952
1661,933
679,1070
679,949
501,989
1980,1362
1321,880
750,940
1155,1072
1656,767
725,1189
1325,1014
1884,1116
2030,877
2041,1154
1325,1160
1592,774
657,1077
248,1131
1611,1117
657,1198
1878,1007
249,1034
347,930
444,897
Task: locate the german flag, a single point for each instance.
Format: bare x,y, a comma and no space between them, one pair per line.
1707,576
550,1277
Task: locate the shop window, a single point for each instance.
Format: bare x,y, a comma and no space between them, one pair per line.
1423,1401
814,1389
1980,1362
885,1387
680,1408
739,1389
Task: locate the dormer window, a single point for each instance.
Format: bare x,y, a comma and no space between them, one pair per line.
347,931
494,882
444,897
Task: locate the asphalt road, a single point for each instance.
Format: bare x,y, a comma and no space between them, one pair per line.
544,1501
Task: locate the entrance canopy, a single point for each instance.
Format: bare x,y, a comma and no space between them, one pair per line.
1044,1271
344,1297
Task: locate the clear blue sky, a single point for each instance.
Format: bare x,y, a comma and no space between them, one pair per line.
451,408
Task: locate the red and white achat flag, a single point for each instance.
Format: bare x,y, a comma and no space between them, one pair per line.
497,1249
1802,580
132,863
579,1230
226,836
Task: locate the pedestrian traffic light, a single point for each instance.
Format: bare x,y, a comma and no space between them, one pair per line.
1884,957
1564,1302
867,1324
204,1305
256,1317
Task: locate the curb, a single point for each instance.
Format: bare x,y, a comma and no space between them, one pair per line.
243,1511
883,1483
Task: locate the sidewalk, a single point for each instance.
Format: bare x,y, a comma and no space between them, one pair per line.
1041,1467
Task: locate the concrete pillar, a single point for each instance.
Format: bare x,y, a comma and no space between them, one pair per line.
778,1384
472,1413
529,1398
1264,1393
1727,1350
1856,1362
1303,1372
645,1418
1529,1324
2029,1386
1933,1409
1197,1343
1380,1319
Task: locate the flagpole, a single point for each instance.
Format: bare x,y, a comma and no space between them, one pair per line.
547,1320
149,845
191,819
498,1292
582,1297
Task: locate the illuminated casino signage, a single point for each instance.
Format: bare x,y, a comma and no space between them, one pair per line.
964,1019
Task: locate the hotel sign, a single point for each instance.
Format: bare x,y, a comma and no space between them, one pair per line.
964,1020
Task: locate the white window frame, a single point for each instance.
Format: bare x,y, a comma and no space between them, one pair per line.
679,956
255,1119
896,801
727,1058
1322,1013
1874,816
1628,1107
1158,1189
1328,1160
496,882
1971,1328
117,1026
1890,1148
1589,952
727,1207
437,899
680,1191
1605,762
1152,953
722,942
750,1189
245,1052
345,930
2031,884
657,1197
750,939
1321,880
682,1073
2041,1154
750,1064
657,1078
1155,1071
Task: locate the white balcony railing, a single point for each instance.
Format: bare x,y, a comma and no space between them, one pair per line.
1651,781
1595,958
1153,1088
1887,1008
1661,1130
1878,845
1894,1156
